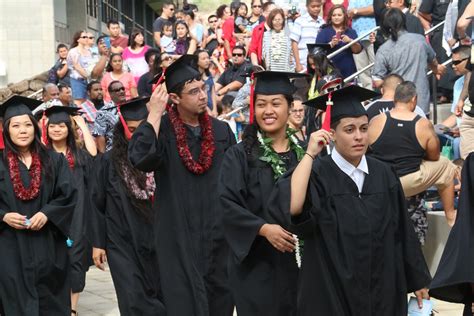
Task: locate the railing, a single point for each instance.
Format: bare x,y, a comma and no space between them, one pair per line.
343,48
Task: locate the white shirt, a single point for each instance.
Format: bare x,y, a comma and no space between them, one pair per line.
356,174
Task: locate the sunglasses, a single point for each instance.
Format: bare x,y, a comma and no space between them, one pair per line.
457,62
256,6
118,89
89,37
237,55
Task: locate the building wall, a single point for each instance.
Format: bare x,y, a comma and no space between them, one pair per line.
27,39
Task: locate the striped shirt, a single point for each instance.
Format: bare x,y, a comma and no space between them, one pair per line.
89,113
304,31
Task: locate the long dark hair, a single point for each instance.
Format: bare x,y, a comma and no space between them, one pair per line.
249,136
36,146
120,160
393,22
181,22
75,38
199,51
323,65
70,143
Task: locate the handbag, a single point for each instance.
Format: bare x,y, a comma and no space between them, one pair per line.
447,150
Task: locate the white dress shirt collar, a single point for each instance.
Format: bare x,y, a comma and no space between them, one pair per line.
357,174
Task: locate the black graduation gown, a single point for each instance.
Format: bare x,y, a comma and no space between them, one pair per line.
452,281
34,264
80,254
361,255
263,280
188,223
127,237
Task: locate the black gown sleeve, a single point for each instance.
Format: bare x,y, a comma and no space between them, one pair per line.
98,204
60,208
417,274
145,150
241,226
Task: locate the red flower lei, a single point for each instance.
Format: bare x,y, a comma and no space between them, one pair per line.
22,193
207,145
70,159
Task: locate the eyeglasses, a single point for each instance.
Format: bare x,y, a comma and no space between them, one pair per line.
256,6
457,62
118,89
89,37
237,55
213,21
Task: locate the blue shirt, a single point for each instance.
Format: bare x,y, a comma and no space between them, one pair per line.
362,24
344,61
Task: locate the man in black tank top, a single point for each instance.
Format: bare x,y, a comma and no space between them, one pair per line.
409,143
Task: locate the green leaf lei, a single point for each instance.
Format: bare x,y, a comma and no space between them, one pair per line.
272,158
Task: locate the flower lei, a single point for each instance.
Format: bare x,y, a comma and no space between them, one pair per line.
70,159
272,158
135,189
207,145
22,193
278,167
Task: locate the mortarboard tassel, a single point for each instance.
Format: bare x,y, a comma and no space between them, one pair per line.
162,77
251,105
2,144
126,131
44,131
327,118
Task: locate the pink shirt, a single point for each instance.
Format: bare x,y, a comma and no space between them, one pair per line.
136,62
126,79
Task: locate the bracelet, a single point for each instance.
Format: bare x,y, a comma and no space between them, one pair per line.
309,155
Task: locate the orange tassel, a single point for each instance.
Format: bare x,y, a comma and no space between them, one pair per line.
44,131
251,106
126,131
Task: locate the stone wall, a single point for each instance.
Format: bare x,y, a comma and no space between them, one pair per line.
25,87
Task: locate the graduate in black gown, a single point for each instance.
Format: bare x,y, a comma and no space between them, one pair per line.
61,139
454,278
37,200
361,255
263,270
185,149
122,222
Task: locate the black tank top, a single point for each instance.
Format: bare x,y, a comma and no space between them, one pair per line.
398,145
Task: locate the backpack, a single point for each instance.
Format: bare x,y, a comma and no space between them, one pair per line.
52,75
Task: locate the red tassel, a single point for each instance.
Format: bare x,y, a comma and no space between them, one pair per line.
162,77
251,106
327,118
2,144
44,131
126,131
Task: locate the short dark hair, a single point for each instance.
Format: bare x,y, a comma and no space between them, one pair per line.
152,52
167,4
392,81
110,22
100,38
308,2
393,21
405,92
239,47
62,86
61,46
109,88
166,24
266,5
227,100
109,65
211,16
91,84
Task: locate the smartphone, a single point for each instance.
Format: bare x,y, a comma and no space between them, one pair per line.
338,35
293,11
107,42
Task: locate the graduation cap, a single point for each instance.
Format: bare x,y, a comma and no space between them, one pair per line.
316,48
132,110
60,114
345,102
272,82
182,70
15,106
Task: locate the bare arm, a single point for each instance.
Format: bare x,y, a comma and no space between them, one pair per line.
463,22
296,54
98,69
89,141
192,46
428,138
425,19
62,71
100,143
157,38
464,94
134,91
233,86
156,107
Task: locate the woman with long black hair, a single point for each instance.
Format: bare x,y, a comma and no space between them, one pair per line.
37,199
122,221
263,267
61,139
